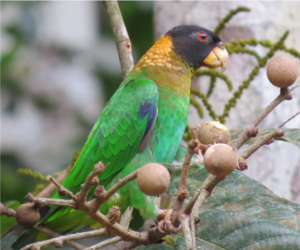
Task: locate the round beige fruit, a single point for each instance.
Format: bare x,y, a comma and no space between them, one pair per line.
220,159
282,71
153,179
27,215
213,132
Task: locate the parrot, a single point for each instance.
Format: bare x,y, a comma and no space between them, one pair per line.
143,122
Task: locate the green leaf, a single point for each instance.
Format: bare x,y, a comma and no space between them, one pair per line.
7,223
179,244
241,213
292,135
155,247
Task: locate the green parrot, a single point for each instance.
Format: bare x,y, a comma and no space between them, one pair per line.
143,122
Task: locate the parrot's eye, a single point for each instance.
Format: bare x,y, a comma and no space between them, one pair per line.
202,36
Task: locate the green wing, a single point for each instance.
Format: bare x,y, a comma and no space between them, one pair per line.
118,133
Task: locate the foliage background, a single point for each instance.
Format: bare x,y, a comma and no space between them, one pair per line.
59,66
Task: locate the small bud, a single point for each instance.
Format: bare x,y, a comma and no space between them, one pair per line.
58,243
62,191
99,167
27,215
280,132
29,197
153,179
94,181
113,214
252,131
99,190
2,209
197,219
242,164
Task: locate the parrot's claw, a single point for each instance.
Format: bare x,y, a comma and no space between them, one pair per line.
165,225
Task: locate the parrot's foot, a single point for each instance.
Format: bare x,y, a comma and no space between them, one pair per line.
165,225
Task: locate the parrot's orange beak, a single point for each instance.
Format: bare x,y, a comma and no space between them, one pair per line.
218,57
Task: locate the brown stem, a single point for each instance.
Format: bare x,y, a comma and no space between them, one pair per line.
285,94
262,140
105,243
80,197
66,238
182,192
51,201
289,119
53,234
61,190
100,199
51,187
184,220
192,145
121,36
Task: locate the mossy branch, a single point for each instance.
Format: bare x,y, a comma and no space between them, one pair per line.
214,73
205,102
211,87
197,106
265,43
187,134
34,174
238,49
262,63
227,18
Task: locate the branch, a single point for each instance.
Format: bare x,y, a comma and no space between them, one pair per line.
51,187
66,238
266,139
61,190
184,220
191,150
121,36
251,131
101,195
289,119
105,243
80,203
80,197
51,202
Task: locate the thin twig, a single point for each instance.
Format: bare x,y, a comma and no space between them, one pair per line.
105,243
100,199
52,202
184,220
67,238
61,189
195,213
209,184
192,145
53,234
121,36
120,184
51,187
285,94
182,191
85,187
289,119
262,140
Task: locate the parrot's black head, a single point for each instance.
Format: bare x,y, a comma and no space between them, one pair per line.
198,46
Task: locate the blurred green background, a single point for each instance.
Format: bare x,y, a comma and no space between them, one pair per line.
59,66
